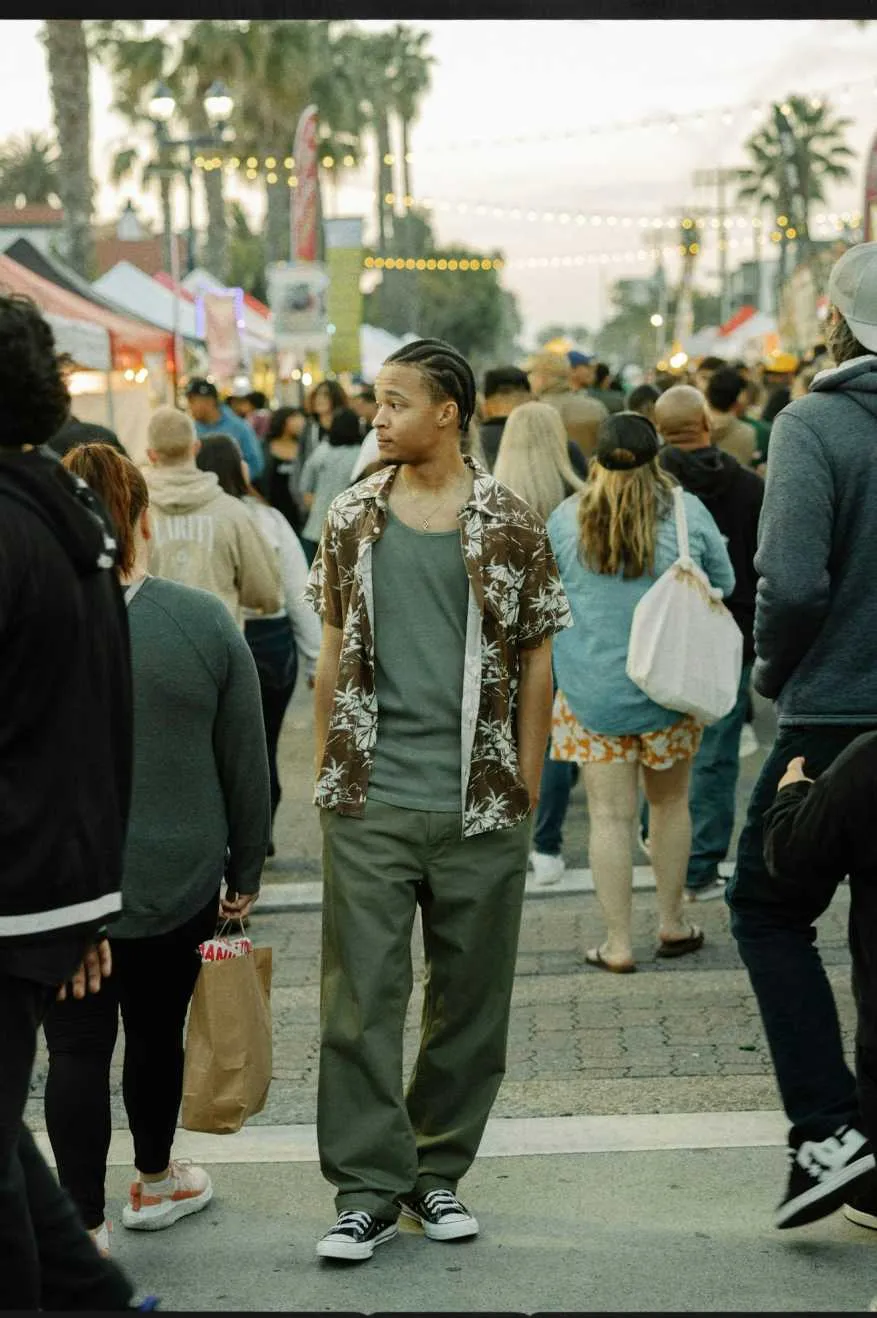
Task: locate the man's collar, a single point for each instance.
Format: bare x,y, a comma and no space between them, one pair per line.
486,497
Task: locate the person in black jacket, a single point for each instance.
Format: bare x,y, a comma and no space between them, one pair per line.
815,834
65,784
733,496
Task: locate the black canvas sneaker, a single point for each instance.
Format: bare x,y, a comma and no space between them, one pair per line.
821,1174
441,1215
355,1236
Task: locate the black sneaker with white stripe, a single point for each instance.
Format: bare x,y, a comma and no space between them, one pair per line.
441,1215
355,1236
820,1176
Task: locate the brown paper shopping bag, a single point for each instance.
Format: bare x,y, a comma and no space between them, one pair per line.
228,1044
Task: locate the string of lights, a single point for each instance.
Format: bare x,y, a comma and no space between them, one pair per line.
594,219
432,263
254,165
697,119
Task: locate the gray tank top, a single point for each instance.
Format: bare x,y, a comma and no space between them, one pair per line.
421,593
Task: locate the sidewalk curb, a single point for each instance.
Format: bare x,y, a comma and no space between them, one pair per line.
276,898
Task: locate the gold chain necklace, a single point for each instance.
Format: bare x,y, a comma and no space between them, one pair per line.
432,512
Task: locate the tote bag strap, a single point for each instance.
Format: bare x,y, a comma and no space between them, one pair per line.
681,523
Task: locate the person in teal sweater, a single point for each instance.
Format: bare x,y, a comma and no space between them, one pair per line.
199,813
612,541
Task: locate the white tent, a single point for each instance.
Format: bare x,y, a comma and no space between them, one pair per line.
746,341
145,296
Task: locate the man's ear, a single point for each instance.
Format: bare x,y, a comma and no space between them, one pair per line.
449,413
146,524
152,456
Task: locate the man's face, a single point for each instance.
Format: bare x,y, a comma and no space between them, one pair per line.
581,377
702,380
411,425
202,408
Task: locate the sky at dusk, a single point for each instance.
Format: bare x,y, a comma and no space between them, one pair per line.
565,87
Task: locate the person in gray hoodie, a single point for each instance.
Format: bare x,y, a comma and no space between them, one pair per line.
201,536
199,814
816,656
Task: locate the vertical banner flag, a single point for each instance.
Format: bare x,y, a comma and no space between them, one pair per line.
869,210
222,332
343,239
305,205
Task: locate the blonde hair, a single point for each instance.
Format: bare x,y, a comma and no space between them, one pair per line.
533,459
618,518
171,433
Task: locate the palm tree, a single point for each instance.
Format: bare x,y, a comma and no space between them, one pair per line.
29,169
413,64
282,66
67,56
796,152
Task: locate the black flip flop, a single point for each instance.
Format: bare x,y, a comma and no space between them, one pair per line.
681,946
594,957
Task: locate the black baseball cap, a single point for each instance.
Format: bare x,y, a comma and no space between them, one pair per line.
625,441
199,388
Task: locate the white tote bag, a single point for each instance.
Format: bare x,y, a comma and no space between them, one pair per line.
685,650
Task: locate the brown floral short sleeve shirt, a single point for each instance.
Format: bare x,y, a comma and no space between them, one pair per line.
516,602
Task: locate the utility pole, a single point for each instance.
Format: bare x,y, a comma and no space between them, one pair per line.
719,179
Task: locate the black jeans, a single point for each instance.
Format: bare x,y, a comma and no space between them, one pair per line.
47,1260
152,982
272,644
776,939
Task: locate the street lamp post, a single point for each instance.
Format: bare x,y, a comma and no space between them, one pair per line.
218,106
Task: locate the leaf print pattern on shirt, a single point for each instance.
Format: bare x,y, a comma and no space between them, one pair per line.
513,580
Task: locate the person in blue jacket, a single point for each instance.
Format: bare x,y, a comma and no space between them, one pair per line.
612,541
214,418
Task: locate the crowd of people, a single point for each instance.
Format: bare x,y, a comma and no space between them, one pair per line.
456,574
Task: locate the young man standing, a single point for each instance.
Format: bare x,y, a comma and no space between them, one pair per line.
816,648
439,596
214,418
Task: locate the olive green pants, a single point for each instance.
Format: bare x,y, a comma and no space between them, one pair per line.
376,1140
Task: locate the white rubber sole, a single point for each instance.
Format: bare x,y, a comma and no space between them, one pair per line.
347,1251
444,1231
856,1215
156,1219
825,1200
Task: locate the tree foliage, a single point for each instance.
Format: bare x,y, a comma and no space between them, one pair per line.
29,169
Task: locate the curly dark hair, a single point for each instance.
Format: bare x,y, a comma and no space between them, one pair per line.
33,395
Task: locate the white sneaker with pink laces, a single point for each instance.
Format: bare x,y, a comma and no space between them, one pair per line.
153,1205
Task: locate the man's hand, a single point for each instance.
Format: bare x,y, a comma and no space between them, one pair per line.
237,905
97,965
794,773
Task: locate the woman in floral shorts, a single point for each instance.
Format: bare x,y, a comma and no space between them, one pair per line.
611,542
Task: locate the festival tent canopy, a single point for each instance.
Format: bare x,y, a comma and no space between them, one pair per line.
131,287
127,337
50,267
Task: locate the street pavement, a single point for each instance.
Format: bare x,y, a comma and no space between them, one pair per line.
632,1162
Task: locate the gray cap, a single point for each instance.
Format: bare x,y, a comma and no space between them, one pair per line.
852,288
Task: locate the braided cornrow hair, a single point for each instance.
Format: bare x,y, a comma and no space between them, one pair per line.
447,373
